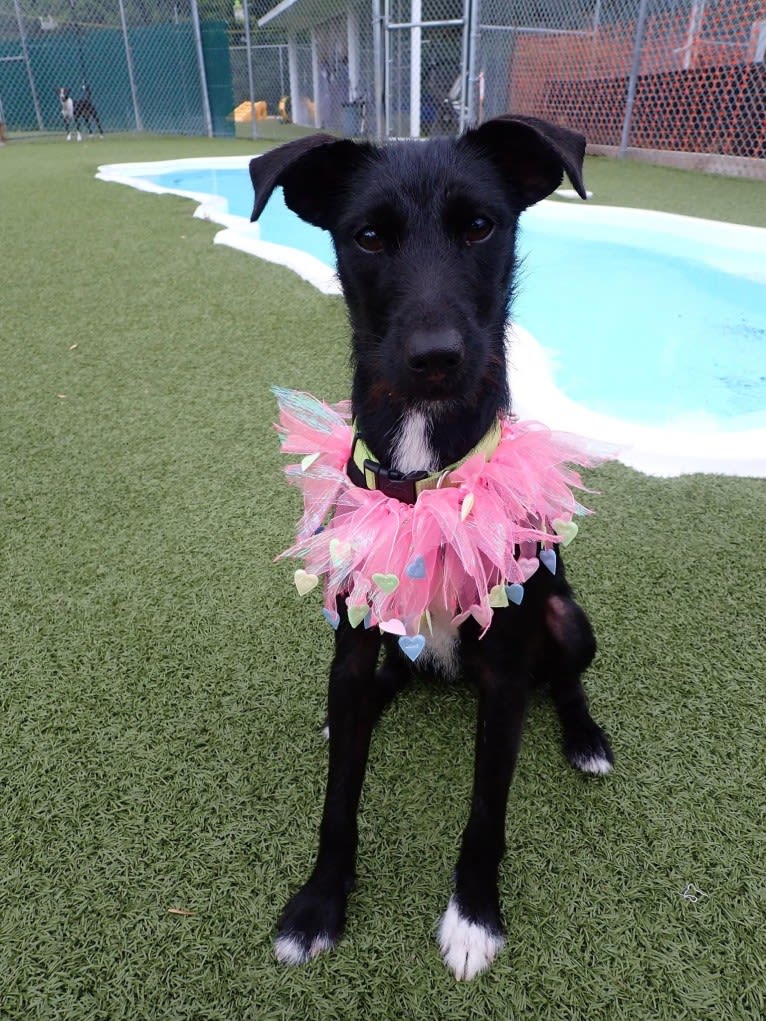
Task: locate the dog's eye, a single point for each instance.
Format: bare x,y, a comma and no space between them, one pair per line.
478,230
369,240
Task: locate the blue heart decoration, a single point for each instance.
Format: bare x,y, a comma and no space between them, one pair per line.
548,558
416,569
332,617
412,646
515,593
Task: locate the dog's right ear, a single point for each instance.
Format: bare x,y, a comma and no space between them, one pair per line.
313,171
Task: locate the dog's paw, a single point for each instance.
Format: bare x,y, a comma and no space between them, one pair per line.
589,751
468,948
309,924
295,948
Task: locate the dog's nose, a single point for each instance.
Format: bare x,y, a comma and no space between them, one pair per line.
429,351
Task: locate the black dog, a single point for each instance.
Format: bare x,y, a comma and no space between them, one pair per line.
425,237
75,110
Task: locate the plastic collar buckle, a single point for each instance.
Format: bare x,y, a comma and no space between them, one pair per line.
393,483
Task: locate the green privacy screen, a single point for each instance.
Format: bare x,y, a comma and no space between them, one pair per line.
165,68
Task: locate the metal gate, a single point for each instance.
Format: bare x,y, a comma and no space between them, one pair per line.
425,79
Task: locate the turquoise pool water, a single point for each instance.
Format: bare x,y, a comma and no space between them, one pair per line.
639,328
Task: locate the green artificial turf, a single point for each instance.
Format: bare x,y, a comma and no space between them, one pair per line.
642,186
162,685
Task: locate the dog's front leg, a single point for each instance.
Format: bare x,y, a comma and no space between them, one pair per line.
471,930
313,919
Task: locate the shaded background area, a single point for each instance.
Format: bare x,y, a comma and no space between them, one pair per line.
681,82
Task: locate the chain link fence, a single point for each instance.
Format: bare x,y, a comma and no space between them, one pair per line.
144,66
674,80
681,76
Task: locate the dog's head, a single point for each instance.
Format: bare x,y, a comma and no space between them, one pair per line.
424,235
62,93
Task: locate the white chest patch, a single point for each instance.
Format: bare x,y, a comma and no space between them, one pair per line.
413,452
412,448
441,649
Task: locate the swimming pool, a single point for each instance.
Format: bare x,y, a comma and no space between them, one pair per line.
644,329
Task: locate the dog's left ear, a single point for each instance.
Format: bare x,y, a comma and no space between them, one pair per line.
313,172
532,153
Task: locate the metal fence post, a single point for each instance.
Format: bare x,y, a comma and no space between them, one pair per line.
201,64
472,77
25,51
131,73
387,79
378,69
464,57
296,102
315,72
633,79
416,70
249,55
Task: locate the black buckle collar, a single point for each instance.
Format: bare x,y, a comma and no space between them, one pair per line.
387,480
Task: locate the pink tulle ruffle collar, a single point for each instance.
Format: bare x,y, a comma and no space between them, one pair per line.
461,550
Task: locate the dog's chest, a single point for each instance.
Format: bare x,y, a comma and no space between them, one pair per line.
412,449
442,649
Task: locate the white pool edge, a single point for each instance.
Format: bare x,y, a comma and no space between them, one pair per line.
660,451
237,233
654,450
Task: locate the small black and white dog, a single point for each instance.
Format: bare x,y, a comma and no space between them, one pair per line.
425,239
75,110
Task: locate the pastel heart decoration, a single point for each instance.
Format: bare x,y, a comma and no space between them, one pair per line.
416,569
515,593
467,506
340,552
304,581
527,566
356,613
498,597
412,646
566,529
386,582
332,617
460,618
393,627
548,558
307,461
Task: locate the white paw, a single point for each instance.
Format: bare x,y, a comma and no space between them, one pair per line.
596,765
289,950
467,948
